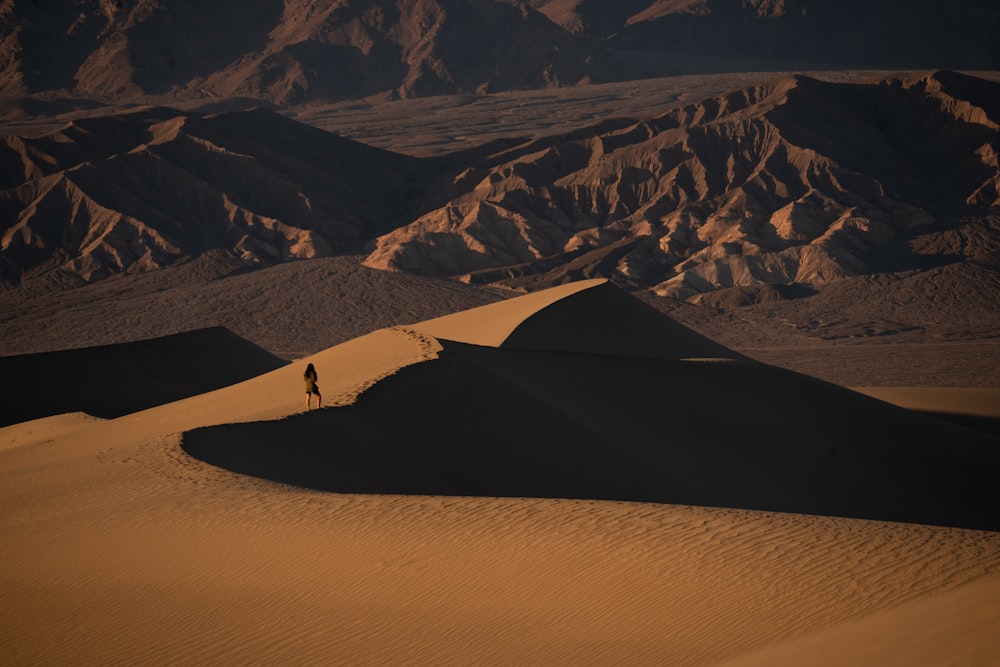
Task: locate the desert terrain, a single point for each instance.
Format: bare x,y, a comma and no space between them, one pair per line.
472,499
647,332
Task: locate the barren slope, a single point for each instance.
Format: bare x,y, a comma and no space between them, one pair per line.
797,182
145,189
282,52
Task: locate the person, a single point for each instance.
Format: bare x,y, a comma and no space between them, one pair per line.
312,388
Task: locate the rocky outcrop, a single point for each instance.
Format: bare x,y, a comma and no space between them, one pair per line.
298,51
798,182
286,52
768,191
149,188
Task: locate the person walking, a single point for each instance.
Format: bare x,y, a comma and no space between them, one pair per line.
311,387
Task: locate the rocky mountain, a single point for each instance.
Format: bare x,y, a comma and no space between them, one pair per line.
146,189
706,35
767,192
285,51
775,188
306,51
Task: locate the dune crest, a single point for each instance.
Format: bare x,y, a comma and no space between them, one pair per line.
492,324
113,380
591,397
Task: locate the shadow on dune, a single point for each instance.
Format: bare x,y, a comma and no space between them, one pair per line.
730,433
989,425
109,381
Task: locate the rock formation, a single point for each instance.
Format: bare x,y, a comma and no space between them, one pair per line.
798,182
155,186
286,52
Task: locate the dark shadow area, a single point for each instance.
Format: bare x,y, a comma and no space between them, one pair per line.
114,380
987,425
495,422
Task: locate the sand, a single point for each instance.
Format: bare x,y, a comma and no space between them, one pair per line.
120,548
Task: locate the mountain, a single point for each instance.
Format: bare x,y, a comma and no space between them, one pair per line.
286,52
148,188
767,192
783,186
716,35
307,51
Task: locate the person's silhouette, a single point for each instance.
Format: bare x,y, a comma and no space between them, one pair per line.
312,388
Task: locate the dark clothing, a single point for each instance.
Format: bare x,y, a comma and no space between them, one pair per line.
311,386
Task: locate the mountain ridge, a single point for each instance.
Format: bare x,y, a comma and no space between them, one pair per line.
769,191
306,51
151,187
794,182
287,52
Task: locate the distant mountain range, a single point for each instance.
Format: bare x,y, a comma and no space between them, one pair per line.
778,188
798,182
286,51
146,189
709,35
298,51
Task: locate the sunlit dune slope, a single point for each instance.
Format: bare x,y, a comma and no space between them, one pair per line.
114,380
120,548
956,628
611,415
974,407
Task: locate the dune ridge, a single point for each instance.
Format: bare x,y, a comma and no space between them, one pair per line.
596,395
120,547
114,380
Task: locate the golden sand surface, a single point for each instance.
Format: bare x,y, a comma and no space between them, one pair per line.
120,548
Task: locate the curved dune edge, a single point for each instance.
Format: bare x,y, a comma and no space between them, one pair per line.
45,429
593,394
109,381
970,401
605,319
482,421
345,370
490,325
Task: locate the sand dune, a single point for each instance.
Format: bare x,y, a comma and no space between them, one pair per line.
119,547
113,380
957,628
552,414
949,400
977,408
